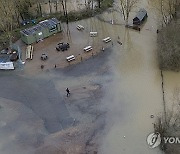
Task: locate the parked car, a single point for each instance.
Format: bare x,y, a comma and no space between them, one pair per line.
62,46
28,21
4,51
44,56
14,56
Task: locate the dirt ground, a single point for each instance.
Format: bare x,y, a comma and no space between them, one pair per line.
121,86
38,118
77,40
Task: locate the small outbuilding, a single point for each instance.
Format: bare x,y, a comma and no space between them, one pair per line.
140,17
40,31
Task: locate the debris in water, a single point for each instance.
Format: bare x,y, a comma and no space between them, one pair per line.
152,116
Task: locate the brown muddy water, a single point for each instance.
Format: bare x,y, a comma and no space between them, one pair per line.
72,5
135,93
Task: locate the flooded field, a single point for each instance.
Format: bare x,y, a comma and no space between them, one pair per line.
135,93
131,91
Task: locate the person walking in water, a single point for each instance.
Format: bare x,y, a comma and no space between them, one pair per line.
68,92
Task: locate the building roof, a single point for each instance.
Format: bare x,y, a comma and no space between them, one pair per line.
141,14
49,23
41,25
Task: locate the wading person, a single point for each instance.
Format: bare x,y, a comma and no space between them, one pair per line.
42,66
102,49
68,92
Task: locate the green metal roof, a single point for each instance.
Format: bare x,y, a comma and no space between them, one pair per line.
50,23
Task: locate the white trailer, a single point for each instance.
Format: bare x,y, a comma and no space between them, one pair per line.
7,66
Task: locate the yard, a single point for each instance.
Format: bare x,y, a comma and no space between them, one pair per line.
78,40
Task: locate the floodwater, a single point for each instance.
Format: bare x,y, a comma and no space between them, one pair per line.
72,5
135,93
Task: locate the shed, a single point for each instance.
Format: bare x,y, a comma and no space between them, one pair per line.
140,17
40,31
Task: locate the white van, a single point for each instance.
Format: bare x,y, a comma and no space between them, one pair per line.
88,48
80,27
93,34
107,39
70,58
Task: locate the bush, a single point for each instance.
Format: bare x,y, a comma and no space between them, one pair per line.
169,47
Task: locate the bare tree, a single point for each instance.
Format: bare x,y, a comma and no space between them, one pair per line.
7,13
126,7
56,5
168,47
22,6
39,8
99,3
167,9
64,5
50,7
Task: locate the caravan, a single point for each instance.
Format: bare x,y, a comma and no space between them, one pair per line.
107,39
7,66
70,58
93,34
88,48
80,27
29,52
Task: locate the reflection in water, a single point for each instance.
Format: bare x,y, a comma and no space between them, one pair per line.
135,93
55,7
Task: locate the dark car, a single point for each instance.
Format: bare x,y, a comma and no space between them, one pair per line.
62,46
4,51
28,21
14,57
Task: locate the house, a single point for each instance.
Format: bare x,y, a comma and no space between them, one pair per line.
40,31
140,17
